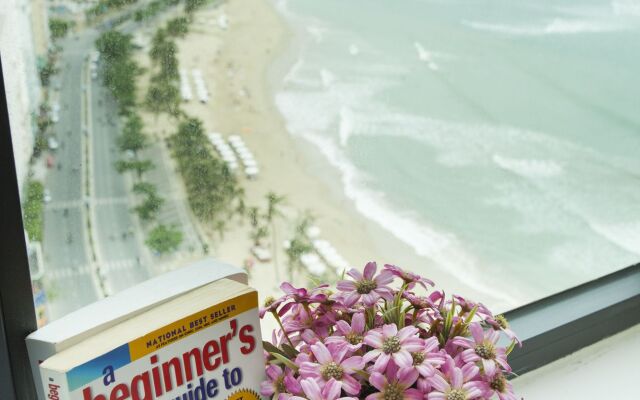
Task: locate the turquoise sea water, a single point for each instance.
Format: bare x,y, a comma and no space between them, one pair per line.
500,139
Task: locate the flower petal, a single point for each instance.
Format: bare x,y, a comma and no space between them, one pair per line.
381,362
346,286
352,363
438,382
311,389
357,323
378,380
370,270
331,390
402,358
350,384
322,353
389,330
477,332
456,378
374,338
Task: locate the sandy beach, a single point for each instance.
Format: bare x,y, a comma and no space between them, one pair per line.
234,62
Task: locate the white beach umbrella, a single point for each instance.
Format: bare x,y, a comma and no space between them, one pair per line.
239,146
313,231
249,163
244,153
251,172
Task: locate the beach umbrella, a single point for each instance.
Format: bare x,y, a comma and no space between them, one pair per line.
239,146
244,153
249,163
251,172
313,232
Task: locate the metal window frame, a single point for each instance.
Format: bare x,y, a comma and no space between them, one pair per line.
565,322
17,312
550,328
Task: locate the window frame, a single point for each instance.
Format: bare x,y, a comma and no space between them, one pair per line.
588,312
17,311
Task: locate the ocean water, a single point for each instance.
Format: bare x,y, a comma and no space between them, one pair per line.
499,139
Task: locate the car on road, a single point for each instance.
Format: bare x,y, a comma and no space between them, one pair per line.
50,161
52,143
47,196
55,112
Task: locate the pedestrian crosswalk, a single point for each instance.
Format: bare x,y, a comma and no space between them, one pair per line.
118,265
67,272
101,201
63,205
110,266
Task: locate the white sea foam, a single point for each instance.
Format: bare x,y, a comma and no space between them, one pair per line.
311,114
425,56
327,77
554,27
346,125
626,7
530,168
444,249
316,32
330,108
292,73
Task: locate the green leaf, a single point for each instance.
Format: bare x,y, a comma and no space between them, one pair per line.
472,313
289,351
268,346
285,361
362,373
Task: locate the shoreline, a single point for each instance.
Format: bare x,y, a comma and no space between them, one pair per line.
237,64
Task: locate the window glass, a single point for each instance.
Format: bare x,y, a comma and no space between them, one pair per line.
490,145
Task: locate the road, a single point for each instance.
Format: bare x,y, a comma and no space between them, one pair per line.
65,247
93,244
120,255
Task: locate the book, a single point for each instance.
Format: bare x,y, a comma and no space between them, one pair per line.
201,345
78,325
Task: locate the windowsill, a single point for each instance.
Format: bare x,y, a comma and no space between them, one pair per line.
605,370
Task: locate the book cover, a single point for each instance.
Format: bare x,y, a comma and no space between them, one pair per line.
75,327
214,353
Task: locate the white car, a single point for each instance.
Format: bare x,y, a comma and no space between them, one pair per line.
53,143
47,196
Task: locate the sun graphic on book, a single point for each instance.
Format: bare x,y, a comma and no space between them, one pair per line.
244,394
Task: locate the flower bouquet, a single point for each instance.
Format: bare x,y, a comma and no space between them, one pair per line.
369,340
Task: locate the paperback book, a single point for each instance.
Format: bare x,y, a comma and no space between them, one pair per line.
205,344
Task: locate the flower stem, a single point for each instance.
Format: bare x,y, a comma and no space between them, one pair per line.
277,317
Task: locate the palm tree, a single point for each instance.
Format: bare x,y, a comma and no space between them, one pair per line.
273,210
300,243
258,234
253,214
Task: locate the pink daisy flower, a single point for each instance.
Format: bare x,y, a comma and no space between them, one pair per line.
390,344
349,335
499,322
330,390
427,359
279,381
366,286
458,384
271,304
331,363
395,384
500,386
409,278
483,348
